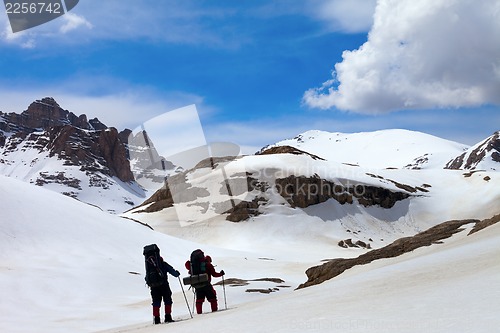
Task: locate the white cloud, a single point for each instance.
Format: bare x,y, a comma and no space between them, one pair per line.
419,54
52,30
22,39
346,15
73,21
176,22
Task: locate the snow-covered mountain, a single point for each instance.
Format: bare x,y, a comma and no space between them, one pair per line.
394,148
359,190
48,146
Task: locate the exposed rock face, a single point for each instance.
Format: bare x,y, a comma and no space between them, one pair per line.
114,154
303,192
300,192
485,223
91,150
244,210
286,150
46,113
176,190
163,197
489,148
346,243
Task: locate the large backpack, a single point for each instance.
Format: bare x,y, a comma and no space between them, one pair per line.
155,276
198,273
198,263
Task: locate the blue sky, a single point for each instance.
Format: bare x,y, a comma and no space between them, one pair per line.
262,71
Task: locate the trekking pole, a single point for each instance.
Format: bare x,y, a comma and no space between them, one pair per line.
190,314
194,298
224,288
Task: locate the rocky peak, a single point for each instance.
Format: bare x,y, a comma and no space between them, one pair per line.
46,113
485,151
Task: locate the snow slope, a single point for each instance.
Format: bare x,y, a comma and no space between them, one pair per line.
32,166
394,148
69,267
66,266
441,289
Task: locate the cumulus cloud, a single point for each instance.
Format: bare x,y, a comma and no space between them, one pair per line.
419,54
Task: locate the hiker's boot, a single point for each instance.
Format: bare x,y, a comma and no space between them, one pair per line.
213,305
199,306
168,313
156,314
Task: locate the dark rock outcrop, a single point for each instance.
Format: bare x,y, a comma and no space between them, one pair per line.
46,113
346,243
244,210
287,150
485,223
304,191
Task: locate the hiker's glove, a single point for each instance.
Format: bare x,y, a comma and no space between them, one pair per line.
177,274
222,272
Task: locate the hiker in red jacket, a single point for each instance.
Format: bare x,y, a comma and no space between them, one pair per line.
204,265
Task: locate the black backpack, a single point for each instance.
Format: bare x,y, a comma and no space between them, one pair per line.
155,276
198,263
198,277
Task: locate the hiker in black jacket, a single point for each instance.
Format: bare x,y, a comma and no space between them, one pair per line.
157,280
